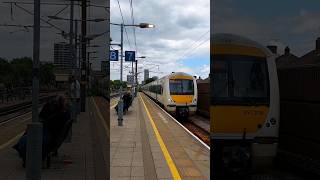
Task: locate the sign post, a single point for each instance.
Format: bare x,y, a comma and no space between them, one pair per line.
114,55
130,56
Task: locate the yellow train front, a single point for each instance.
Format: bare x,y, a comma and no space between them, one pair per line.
244,111
176,93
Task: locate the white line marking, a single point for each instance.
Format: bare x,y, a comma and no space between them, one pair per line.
194,136
11,141
163,118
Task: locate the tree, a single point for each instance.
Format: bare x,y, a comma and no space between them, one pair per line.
18,73
46,74
149,80
116,84
5,72
21,71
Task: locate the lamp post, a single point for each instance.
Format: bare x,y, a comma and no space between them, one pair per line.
34,136
120,104
84,39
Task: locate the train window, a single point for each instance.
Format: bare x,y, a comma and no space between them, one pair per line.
240,79
249,79
220,79
181,87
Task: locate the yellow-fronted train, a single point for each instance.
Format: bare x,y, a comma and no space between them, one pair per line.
176,93
244,110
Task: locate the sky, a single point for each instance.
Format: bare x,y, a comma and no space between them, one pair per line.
17,42
293,23
180,41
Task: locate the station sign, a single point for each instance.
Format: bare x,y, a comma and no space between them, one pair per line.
130,79
130,56
114,55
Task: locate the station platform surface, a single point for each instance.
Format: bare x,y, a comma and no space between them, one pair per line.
151,145
85,157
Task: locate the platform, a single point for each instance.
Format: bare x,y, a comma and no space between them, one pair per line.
151,145
86,157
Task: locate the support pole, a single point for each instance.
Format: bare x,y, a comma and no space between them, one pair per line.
84,53
120,104
71,35
136,79
34,130
132,70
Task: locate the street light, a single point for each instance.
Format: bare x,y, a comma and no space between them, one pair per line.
120,104
93,36
146,25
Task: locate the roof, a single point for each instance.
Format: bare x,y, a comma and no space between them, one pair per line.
225,38
313,57
286,60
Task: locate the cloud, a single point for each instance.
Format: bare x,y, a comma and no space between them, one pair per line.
297,28
179,23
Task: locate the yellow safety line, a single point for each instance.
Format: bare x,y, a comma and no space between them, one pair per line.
11,141
172,166
101,117
115,104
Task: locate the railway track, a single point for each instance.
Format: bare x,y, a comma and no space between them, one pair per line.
200,133
13,112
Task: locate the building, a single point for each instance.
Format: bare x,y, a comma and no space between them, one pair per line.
312,57
146,74
287,59
63,56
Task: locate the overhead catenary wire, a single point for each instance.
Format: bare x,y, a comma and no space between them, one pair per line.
191,48
59,12
124,26
133,28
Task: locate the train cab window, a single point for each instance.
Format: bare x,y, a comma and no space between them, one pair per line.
220,79
249,79
181,87
240,79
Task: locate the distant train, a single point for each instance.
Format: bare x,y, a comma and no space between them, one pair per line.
176,92
244,107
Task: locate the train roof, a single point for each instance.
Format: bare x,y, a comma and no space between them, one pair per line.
172,75
226,38
178,74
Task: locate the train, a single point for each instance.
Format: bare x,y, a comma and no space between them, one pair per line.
176,93
244,103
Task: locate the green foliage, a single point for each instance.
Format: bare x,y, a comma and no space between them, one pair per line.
115,85
18,73
46,74
149,80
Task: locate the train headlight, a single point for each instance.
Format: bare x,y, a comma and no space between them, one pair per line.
267,124
273,121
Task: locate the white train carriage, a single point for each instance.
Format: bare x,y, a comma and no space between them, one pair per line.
245,99
176,92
